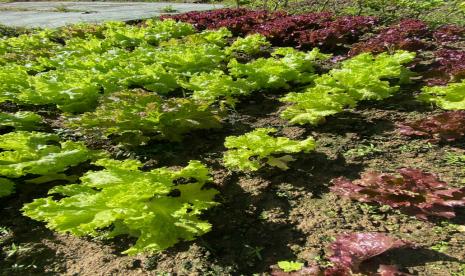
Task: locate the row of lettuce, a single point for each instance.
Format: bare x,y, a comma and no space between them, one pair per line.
161,80
85,71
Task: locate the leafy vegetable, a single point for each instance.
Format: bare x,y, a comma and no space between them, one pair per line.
413,191
136,116
7,187
21,120
122,200
71,90
216,85
448,126
251,45
347,253
360,78
188,60
409,34
153,31
278,72
14,81
450,97
350,250
38,153
288,266
333,34
253,150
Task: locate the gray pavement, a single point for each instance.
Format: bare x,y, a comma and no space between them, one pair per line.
56,14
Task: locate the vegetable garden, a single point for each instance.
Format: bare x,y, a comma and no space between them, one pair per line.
234,142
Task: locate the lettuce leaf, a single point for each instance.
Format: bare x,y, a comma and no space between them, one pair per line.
251,151
121,200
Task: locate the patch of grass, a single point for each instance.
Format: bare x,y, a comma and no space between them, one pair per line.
363,151
454,159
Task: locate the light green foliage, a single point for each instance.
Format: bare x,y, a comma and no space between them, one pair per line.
289,266
152,77
187,60
450,97
441,247
251,151
217,37
135,116
251,45
21,120
26,48
363,150
7,187
455,159
38,153
121,200
71,90
284,67
154,31
363,77
216,85
14,80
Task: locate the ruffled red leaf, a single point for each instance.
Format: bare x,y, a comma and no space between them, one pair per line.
448,126
350,250
412,191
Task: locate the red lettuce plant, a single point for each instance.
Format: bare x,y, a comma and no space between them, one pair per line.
249,22
345,30
451,62
239,21
415,192
349,251
449,33
306,30
448,126
282,31
407,35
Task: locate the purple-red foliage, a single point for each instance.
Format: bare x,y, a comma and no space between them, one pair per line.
349,251
209,19
305,30
344,30
449,33
406,35
248,23
282,30
448,126
413,191
451,62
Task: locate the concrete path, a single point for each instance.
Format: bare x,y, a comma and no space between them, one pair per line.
55,14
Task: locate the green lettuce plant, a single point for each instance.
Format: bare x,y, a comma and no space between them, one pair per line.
21,120
251,45
286,66
73,91
217,86
450,97
14,80
290,266
41,155
364,77
135,116
253,150
153,32
160,207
